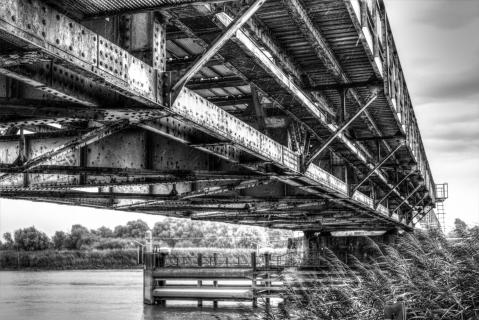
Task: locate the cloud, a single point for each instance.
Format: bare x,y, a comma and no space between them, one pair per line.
447,14
438,47
452,86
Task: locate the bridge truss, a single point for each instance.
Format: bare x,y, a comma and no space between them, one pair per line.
282,113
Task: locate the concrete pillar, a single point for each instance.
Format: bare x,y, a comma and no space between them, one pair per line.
148,286
148,267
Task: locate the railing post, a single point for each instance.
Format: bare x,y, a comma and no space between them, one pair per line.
267,283
200,282
162,264
253,280
215,282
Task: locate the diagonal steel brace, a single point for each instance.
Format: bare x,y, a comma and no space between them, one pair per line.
215,47
340,130
376,167
406,199
394,188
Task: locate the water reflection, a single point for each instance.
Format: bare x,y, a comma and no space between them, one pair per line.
193,313
93,295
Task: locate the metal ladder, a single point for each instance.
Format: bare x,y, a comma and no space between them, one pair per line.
440,215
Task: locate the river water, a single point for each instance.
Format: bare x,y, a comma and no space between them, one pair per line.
93,295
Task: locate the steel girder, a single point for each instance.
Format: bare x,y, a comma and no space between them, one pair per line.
134,79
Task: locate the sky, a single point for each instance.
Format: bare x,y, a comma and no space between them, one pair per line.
438,45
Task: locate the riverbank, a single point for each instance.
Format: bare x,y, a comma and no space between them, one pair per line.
69,259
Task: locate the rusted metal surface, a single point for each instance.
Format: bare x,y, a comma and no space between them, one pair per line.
102,106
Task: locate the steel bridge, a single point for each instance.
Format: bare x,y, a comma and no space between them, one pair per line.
281,113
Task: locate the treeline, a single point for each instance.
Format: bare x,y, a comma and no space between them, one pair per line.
104,248
170,232
79,238
69,259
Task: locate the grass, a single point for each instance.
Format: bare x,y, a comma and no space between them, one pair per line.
436,279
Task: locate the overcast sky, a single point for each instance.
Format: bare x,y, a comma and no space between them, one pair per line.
438,44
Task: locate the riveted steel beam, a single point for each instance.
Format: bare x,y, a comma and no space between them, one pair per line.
91,56
80,195
73,144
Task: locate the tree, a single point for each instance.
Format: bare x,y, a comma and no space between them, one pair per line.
59,239
104,232
79,238
9,244
167,231
460,228
30,239
137,228
120,232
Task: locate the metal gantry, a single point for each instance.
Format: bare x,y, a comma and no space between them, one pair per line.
280,113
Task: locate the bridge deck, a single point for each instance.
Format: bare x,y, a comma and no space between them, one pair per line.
244,140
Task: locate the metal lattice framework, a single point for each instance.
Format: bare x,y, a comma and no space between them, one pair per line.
284,113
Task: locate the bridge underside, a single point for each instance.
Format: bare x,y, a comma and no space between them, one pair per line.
288,114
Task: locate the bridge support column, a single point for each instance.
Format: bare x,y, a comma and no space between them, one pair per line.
148,280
